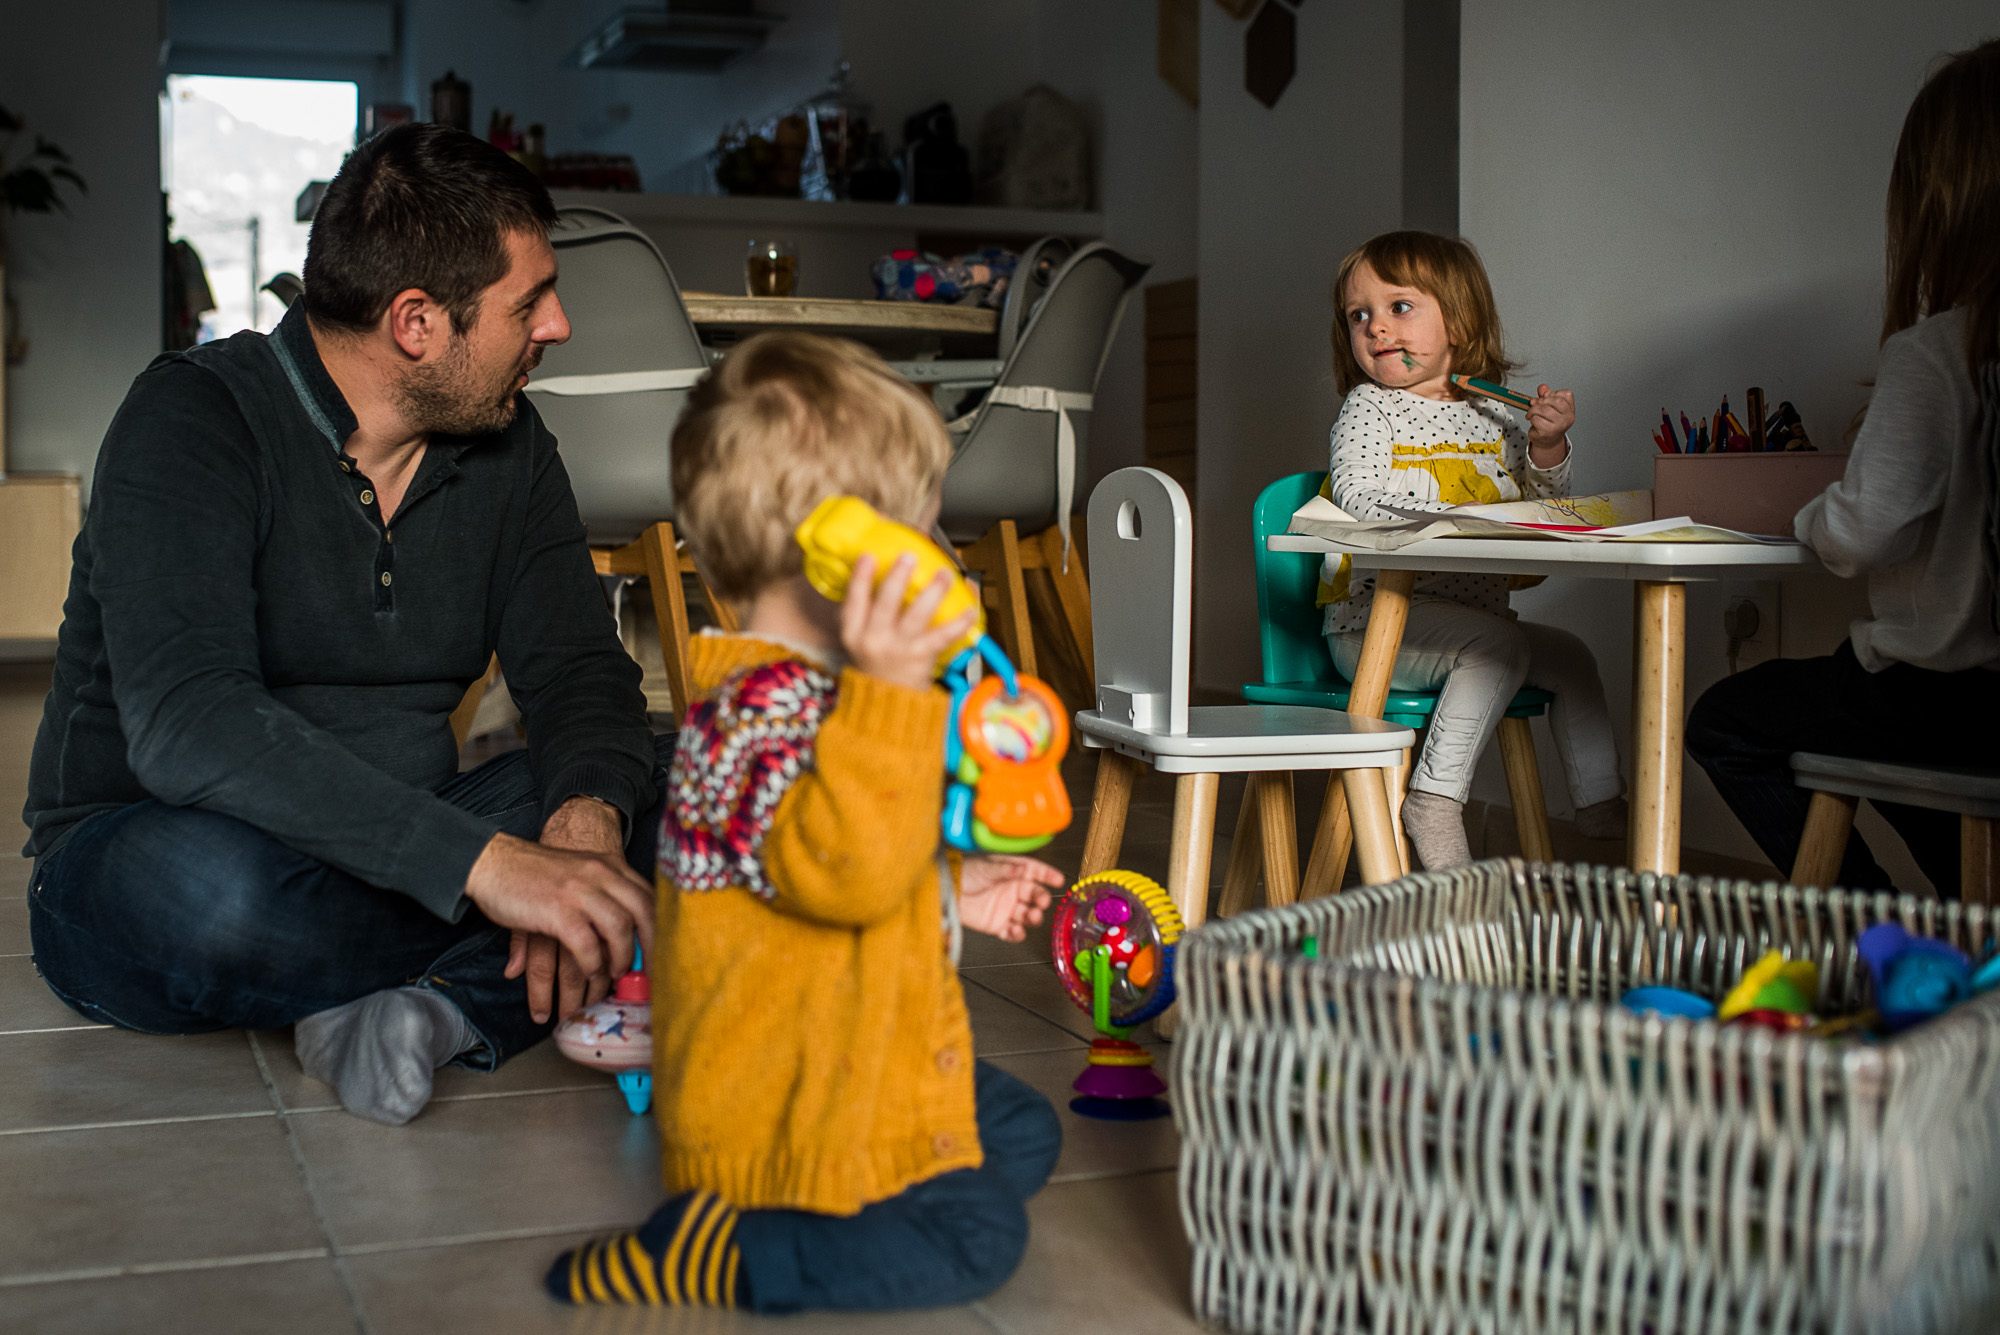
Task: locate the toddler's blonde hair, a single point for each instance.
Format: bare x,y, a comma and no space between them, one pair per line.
783,422
1444,268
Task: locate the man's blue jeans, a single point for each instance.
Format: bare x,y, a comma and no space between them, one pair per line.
174,920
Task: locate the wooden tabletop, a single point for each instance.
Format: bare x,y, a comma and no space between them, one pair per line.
709,308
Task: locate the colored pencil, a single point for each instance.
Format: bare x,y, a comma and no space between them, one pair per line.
1486,389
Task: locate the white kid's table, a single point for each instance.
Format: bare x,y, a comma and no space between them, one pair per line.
1660,573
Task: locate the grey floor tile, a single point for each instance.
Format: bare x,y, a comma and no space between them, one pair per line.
26,1002
1102,1256
1036,987
541,1068
473,1168
14,877
111,1075
296,1297
14,926
1092,1148
1000,1027
495,1288
980,950
77,1200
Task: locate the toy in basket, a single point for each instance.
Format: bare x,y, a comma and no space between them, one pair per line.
616,1035
1008,732
1113,940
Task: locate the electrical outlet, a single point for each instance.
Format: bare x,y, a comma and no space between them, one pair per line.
1751,621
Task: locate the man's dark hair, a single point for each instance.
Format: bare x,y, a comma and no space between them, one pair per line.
422,206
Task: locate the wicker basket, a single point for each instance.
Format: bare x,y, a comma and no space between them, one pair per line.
1445,1122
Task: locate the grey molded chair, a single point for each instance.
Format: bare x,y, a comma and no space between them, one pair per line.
612,395
1018,455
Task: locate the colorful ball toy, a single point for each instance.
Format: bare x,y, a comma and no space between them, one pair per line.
1113,939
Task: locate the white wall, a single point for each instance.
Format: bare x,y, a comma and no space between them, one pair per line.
1100,55
1284,193
1676,202
88,281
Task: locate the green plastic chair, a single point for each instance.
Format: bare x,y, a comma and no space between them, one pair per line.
1298,670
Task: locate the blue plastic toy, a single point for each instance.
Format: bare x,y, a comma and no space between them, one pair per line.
1915,977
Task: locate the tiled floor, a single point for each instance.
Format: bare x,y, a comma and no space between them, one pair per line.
206,1185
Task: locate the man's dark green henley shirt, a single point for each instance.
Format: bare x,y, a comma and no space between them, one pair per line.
244,633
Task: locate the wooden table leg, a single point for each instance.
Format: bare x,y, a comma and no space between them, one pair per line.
1978,860
1659,659
1278,822
1189,849
1333,836
1374,838
1524,784
1829,821
1108,806
1192,844
1331,844
1246,855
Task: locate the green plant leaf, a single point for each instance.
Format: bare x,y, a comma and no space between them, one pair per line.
45,149
65,174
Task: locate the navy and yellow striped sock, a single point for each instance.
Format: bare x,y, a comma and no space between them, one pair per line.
685,1255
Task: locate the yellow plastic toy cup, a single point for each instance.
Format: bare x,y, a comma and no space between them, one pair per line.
842,528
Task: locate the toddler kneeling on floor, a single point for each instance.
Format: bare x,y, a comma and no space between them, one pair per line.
826,1138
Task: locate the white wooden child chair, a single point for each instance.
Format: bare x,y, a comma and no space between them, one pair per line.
1141,538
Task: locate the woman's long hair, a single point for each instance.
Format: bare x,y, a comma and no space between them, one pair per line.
1944,203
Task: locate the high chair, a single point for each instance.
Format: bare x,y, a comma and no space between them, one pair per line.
1298,670
1141,551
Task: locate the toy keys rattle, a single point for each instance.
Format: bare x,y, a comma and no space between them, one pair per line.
1008,731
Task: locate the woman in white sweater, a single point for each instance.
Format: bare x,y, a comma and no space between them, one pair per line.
1918,680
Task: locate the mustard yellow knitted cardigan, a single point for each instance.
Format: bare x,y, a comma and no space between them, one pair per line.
812,1051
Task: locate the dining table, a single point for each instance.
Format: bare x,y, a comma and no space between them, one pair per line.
1659,572
722,319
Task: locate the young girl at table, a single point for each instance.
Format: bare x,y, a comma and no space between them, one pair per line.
1415,308
1918,678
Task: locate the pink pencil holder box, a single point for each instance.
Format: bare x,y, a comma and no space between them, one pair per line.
1751,493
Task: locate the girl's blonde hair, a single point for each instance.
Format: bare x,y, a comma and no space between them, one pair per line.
1444,268
1944,203
783,422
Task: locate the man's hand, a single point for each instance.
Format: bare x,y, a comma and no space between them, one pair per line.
590,903
1003,895
581,825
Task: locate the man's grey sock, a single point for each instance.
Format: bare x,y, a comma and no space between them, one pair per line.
1436,826
379,1052
1604,820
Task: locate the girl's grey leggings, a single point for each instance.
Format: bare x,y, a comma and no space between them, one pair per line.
1476,662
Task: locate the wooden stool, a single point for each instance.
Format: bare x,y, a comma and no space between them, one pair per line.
1839,784
1140,540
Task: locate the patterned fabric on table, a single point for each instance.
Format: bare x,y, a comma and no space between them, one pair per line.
740,750
977,279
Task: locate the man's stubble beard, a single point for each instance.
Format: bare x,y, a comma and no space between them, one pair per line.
449,397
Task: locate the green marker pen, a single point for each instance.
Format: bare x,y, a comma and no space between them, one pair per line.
1486,389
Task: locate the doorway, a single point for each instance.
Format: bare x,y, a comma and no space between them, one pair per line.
237,153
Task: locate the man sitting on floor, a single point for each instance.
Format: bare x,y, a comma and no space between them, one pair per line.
302,548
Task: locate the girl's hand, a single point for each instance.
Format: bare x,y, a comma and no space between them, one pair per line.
1550,417
1003,895
888,640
